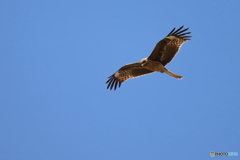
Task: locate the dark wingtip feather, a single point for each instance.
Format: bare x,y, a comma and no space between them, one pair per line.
178,29
180,33
108,80
113,83
119,85
171,32
109,83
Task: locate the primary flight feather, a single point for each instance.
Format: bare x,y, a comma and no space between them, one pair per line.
162,54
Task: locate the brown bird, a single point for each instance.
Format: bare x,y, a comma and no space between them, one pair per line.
162,54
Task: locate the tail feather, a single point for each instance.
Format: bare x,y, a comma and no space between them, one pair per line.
172,74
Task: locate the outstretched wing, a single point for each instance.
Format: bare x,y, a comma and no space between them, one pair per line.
126,72
167,48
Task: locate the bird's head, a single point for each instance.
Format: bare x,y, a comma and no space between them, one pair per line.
143,61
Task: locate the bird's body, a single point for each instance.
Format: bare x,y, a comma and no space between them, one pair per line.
152,65
162,54
156,66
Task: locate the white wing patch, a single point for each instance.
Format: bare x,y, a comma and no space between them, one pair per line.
116,74
171,37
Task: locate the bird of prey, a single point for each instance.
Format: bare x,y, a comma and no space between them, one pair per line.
162,54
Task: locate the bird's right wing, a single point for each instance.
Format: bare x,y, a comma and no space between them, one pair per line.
167,48
126,72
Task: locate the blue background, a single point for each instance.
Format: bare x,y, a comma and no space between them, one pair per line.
55,59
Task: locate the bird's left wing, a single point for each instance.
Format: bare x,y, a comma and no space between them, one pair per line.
167,48
126,72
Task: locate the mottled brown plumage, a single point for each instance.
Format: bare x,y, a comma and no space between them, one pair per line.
128,71
162,54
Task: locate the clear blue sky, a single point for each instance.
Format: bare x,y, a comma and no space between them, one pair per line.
55,59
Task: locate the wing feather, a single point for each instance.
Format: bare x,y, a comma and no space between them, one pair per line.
124,73
167,48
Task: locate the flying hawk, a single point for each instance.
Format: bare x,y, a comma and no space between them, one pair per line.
162,54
